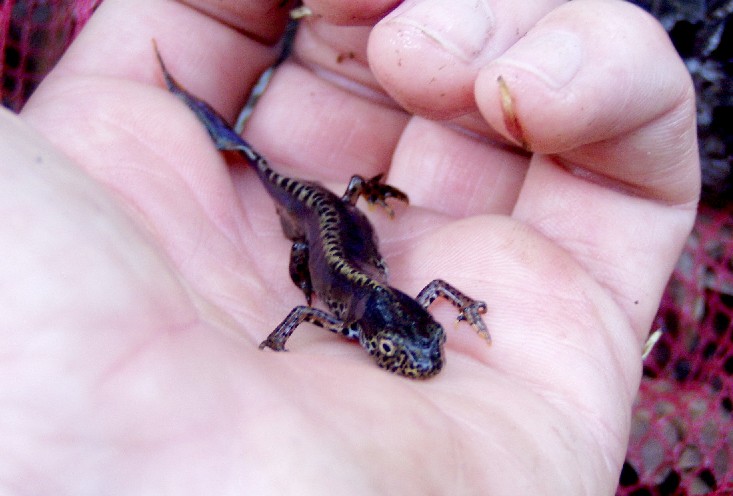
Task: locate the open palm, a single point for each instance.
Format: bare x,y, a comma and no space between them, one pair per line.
147,269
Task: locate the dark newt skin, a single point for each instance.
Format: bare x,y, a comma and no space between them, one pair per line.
335,256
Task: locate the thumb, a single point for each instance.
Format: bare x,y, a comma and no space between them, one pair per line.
599,83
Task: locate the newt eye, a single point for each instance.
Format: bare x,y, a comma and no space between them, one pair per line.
386,347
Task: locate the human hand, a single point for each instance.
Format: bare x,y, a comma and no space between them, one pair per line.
131,327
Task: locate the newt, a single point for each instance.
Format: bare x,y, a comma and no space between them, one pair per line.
335,257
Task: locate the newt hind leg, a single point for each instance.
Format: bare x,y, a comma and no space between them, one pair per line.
299,272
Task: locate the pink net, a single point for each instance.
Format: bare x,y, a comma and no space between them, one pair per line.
682,436
33,35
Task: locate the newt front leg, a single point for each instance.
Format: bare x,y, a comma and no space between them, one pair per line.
470,310
277,338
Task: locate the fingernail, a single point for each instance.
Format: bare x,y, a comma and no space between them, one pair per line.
553,56
462,30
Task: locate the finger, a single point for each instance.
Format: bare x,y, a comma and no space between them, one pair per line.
350,12
442,169
427,59
261,20
451,172
321,129
117,43
598,84
339,52
599,79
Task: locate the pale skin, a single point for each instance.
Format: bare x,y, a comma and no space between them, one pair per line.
141,271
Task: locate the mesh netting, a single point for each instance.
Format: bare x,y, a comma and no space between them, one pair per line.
682,435
33,35
682,432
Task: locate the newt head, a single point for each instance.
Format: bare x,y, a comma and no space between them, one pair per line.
401,335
